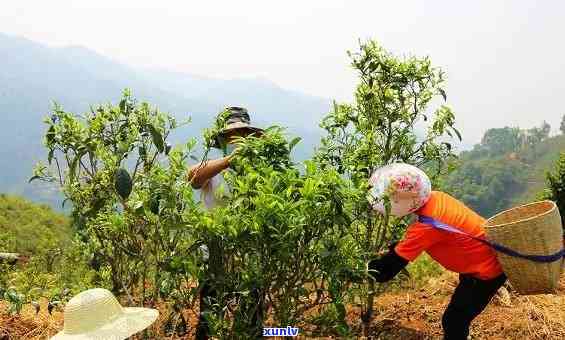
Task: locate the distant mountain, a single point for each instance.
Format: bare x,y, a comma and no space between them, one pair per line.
33,75
261,95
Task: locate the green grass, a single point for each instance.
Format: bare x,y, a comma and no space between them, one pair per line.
419,272
422,269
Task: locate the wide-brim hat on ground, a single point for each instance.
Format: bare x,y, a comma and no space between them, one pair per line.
407,188
97,314
238,120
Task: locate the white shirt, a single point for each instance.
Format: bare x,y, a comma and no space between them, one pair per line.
212,194
214,191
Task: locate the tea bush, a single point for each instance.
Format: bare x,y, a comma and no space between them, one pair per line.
282,236
392,102
137,229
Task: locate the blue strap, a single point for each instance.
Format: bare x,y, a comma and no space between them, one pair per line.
536,258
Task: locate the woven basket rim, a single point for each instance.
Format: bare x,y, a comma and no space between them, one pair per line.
549,211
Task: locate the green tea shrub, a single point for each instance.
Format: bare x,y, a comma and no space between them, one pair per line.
132,208
280,233
392,119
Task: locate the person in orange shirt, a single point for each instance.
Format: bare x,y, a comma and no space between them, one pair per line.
480,273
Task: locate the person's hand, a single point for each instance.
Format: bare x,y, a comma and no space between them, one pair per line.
385,251
382,253
384,268
372,268
232,155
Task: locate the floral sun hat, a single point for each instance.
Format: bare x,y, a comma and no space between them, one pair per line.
407,187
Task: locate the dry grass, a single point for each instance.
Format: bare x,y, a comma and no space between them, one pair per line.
27,325
545,316
507,317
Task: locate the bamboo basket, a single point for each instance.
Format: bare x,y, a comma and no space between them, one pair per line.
533,229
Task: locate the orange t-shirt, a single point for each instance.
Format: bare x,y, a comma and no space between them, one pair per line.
455,252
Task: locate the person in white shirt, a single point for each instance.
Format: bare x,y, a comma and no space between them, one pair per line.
207,176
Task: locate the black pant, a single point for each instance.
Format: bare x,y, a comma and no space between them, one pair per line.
214,272
470,298
207,293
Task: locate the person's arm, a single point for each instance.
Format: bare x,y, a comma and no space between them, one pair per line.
200,173
418,238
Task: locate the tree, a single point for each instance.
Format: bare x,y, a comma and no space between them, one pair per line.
555,186
562,126
487,185
393,96
499,141
545,130
534,136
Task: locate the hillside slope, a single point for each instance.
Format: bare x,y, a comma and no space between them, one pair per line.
545,156
26,227
490,183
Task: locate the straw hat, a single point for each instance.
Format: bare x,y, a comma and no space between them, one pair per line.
407,187
97,314
238,120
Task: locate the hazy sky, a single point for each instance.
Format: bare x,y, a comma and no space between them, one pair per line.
505,60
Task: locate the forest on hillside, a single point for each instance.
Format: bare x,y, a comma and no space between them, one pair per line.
506,168
295,236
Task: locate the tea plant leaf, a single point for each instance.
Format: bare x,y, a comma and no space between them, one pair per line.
442,92
156,137
293,142
33,178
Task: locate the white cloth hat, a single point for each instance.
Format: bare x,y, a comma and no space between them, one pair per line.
407,187
97,314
